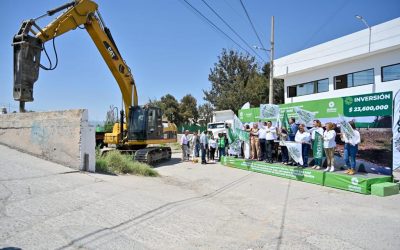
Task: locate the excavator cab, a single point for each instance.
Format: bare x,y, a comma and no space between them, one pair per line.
145,123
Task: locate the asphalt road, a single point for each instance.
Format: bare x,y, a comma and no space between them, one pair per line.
47,206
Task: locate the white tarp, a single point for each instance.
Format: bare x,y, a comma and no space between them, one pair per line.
294,150
396,132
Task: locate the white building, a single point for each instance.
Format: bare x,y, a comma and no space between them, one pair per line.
364,62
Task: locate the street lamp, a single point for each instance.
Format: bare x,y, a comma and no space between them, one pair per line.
261,48
369,28
271,63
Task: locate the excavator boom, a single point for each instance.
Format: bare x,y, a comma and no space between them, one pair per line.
28,44
143,125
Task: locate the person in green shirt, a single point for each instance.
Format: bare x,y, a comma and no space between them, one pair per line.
221,145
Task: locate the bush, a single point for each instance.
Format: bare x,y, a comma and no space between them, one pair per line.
115,162
101,165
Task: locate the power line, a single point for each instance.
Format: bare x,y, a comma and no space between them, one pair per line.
215,27
328,20
197,14
252,25
234,10
230,27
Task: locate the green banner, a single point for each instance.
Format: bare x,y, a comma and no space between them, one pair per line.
246,115
318,146
379,104
354,183
256,115
325,108
236,163
300,174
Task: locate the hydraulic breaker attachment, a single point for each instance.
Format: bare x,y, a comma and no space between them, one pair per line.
27,50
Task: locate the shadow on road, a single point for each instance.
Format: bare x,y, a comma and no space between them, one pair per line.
101,233
170,162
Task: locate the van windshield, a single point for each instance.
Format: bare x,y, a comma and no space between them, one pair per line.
216,125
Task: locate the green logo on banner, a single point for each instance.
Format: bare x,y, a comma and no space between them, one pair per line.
348,100
354,181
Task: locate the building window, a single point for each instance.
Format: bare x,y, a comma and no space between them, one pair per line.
390,72
305,88
323,85
354,79
292,91
308,88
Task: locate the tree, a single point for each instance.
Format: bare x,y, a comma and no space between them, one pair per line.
206,113
156,103
169,106
235,80
111,118
188,109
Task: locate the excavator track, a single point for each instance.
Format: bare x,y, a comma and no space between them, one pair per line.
152,155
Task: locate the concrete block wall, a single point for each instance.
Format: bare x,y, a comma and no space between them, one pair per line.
64,137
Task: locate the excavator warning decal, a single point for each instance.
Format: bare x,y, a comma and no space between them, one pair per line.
110,51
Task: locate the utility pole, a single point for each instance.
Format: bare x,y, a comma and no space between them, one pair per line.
271,65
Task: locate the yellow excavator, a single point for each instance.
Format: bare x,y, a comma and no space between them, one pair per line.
143,125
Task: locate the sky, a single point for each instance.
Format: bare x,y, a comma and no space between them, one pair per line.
168,47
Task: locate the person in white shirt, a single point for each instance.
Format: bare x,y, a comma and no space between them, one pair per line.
303,137
270,137
246,144
262,135
203,146
317,128
212,143
351,149
184,144
329,147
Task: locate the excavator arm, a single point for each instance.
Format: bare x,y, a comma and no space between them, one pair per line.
29,42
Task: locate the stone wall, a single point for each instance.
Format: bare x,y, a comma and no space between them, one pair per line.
63,137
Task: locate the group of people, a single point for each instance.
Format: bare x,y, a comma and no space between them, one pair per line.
205,145
263,137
